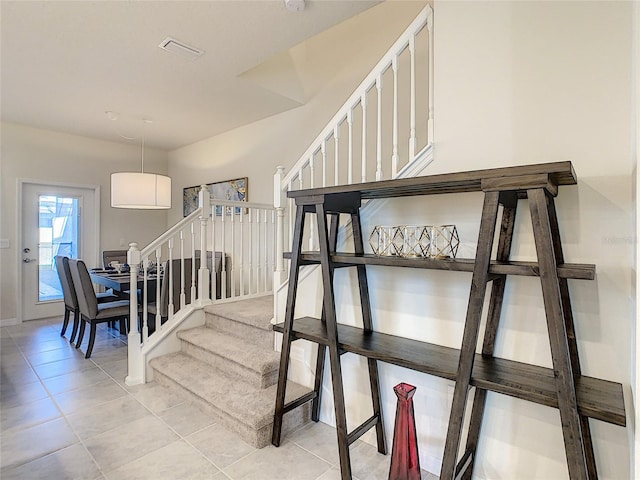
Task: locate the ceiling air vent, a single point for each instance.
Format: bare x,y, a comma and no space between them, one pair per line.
179,48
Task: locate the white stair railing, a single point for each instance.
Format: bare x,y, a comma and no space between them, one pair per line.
384,126
237,239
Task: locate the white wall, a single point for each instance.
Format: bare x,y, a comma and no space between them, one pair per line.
42,155
518,83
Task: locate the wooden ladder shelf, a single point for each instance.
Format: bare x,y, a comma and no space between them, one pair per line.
577,397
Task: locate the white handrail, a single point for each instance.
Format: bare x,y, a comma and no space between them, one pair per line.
171,232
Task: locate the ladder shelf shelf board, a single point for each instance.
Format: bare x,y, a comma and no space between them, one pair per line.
575,271
598,399
577,397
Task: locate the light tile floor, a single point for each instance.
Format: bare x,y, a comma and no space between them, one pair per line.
64,417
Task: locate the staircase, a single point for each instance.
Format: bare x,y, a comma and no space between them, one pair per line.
228,367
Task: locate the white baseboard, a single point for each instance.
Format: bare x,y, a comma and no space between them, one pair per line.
5,322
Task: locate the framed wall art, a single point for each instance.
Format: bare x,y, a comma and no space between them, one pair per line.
233,190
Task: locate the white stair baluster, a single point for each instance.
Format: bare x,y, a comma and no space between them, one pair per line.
145,300
323,150
145,330
241,254
312,225
232,267
336,160
265,253
251,242
183,296
430,118
223,249
214,276
193,262
258,250
379,129
350,158
292,213
412,119
394,155
363,103
170,307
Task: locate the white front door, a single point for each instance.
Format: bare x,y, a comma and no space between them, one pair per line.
56,220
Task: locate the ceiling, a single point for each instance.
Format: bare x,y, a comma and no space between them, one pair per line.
65,63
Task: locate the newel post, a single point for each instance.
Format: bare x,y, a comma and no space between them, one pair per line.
204,202
135,361
279,273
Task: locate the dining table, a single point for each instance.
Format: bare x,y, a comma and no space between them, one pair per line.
120,282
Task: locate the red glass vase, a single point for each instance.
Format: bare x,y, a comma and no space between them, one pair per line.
405,463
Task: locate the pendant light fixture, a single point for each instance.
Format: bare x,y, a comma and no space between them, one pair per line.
140,190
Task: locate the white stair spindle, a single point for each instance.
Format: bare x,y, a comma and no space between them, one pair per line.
412,119
350,158
251,243
193,262
394,155
170,307
273,247
336,160
363,103
214,243
223,248
379,130
241,255
312,226
430,86
280,272
145,330
145,299
258,251
204,276
265,253
292,214
323,150
183,295
233,253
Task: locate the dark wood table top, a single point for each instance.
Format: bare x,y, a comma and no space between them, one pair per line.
119,282
561,173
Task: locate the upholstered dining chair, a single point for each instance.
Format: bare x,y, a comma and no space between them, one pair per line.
70,298
172,271
109,256
91,311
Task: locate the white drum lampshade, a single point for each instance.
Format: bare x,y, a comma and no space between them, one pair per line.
147,191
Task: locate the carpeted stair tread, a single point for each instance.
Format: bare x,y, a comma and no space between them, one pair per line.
254,357
256,312
239,400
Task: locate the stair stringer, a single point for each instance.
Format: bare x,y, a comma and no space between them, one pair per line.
302,359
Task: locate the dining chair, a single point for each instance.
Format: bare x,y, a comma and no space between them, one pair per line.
172,270
70,297
109,256
91,311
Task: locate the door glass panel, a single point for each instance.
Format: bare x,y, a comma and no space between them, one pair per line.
57,235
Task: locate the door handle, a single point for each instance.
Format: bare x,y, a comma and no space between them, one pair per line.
28,260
